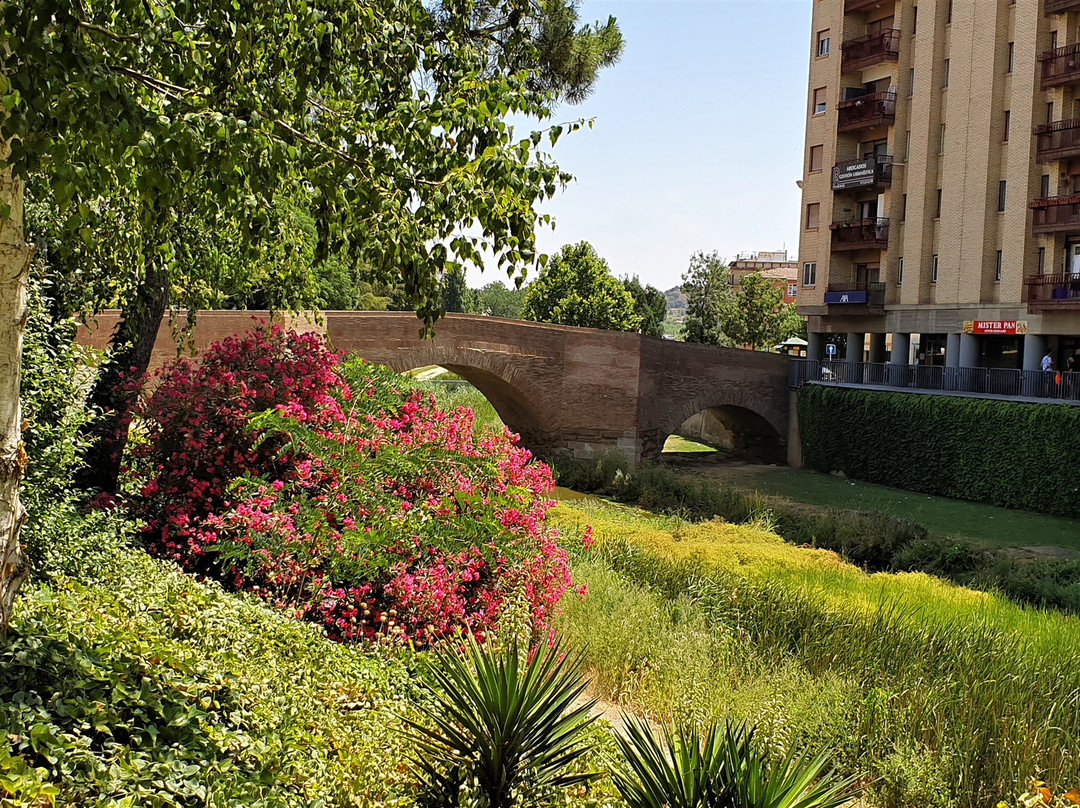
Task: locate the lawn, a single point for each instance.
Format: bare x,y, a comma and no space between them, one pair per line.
999,527
680,445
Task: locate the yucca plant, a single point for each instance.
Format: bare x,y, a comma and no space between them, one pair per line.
719,768
505,731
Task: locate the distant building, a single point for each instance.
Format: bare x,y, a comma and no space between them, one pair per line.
773,266
941,184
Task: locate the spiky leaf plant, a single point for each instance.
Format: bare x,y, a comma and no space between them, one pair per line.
505,731
719,768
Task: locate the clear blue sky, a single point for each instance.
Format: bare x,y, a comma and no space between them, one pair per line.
697,140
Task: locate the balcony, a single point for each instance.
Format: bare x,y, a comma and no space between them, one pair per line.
1055,214
861,5
855,298
1061,6
1059,292
870,50
1057,141
871,172
873,109
1060,66
862,234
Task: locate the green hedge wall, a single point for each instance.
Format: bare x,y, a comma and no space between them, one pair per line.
1006,453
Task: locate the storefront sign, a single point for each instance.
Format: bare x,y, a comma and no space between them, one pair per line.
846,297
997,328
856,174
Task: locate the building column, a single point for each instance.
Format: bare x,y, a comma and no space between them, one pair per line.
815,347
855,340
969,351
1034,348
901,349
877,348
952,350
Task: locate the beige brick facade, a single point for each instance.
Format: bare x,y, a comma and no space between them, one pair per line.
922,95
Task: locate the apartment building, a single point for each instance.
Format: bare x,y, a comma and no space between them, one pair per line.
775,267
941,187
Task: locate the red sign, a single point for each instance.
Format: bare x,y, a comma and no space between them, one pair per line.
996,327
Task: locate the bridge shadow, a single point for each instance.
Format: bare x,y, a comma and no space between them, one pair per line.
737,431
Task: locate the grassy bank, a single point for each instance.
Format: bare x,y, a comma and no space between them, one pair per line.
971,521
934,694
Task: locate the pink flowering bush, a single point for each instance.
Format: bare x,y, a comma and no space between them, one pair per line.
332,491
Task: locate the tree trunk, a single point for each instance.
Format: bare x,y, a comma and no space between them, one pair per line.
15,257
113,395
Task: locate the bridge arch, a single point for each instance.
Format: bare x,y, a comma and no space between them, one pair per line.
513,395
736,415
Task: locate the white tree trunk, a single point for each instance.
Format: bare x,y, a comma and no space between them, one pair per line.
15,257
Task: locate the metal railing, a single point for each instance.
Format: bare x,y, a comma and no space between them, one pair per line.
1051,214
1060,66
875,290
872,109
1056,140
869,50
873,233
1003,382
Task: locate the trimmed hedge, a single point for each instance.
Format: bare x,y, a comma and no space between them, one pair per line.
1013,454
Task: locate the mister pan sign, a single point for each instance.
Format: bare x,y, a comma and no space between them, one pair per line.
856,174
998,328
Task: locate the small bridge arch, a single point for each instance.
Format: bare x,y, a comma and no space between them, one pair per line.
730,418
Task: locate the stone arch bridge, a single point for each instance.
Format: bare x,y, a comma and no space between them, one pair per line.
559,387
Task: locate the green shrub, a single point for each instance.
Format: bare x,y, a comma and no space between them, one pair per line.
504,731
1007,453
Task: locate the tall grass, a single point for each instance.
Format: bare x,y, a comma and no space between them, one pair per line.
451,397
934,694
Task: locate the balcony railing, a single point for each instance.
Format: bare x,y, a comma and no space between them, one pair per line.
1060,292
861,234
873,109
1060,66
998,382
869,294
870,50
860,5
870,172
1061,6
1055,214
1057,141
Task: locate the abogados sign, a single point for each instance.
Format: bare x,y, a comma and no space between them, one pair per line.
854,174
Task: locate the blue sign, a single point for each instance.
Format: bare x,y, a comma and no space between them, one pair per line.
830,349
846,297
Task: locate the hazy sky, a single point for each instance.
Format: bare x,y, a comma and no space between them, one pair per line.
697,140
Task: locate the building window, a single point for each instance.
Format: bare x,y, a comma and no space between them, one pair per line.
1042,260
1001,196
823,43
792,290
933,269
1008,122
809,274
911,82
816,155
1011,58
900,271
997,268
903,210
813,210
941,144
914,20
945,83
907,146
1053,40
819,101
948,16
1049,111
1044,186
937,210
